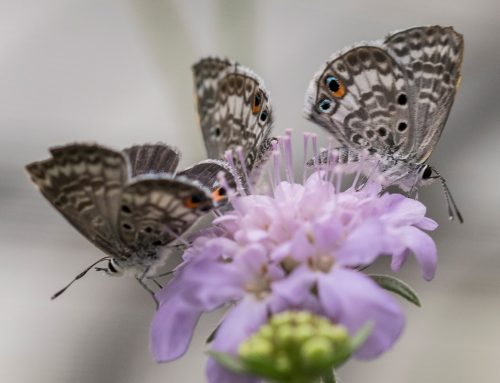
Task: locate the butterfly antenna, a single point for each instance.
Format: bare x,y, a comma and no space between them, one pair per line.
452,206
81,275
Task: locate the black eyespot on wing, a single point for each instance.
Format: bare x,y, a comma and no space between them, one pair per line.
217,132
126,209
332,83
324,105
382,132
402,126
335,86
257,102
402,99
126,226
195,198
264,115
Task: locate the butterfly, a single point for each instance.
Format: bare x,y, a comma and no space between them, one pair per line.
130,203
391,99
234,110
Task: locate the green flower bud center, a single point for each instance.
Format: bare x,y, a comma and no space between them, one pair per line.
294,346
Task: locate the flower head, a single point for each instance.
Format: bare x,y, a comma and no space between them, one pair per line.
299,247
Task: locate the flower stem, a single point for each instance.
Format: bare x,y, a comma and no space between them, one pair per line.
329,377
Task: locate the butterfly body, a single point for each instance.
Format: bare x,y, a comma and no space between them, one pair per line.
390,98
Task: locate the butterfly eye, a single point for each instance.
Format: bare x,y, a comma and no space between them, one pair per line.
257,103
324,105
264,115
335,86
196,202
427,172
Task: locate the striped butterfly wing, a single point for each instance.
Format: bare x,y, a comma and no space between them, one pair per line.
156,209
152,158
207,171
234,110
355,97
84,182
432,59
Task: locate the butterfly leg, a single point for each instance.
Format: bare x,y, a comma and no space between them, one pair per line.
140,279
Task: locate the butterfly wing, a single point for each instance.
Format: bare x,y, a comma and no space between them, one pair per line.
156,209
354,96
205,74
83,182
152,158
234,109
206,173
432,58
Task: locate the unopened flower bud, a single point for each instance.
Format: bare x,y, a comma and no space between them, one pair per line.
296,345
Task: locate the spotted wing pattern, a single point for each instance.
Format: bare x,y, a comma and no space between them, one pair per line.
234,109
84,182
156,209
206,73
152,158
354,97
390,97
206,172
432,58
127,218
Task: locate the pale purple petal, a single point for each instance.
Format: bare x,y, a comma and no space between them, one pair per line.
403,211
218,374
353,299
240,322
427,224
424,248
327,231
172,329
301,247
363,245
296,288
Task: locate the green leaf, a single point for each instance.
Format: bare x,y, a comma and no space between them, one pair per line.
228,361
397,286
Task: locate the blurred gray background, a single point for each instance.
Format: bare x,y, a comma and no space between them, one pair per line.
118,72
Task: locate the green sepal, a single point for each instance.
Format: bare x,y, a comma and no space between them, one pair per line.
355,343
262,368
397,286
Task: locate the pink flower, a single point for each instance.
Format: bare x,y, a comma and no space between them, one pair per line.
297,248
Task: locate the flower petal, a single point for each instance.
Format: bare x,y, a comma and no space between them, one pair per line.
362,246
424,248
296,287
353,299
240,322
172,329
218,374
